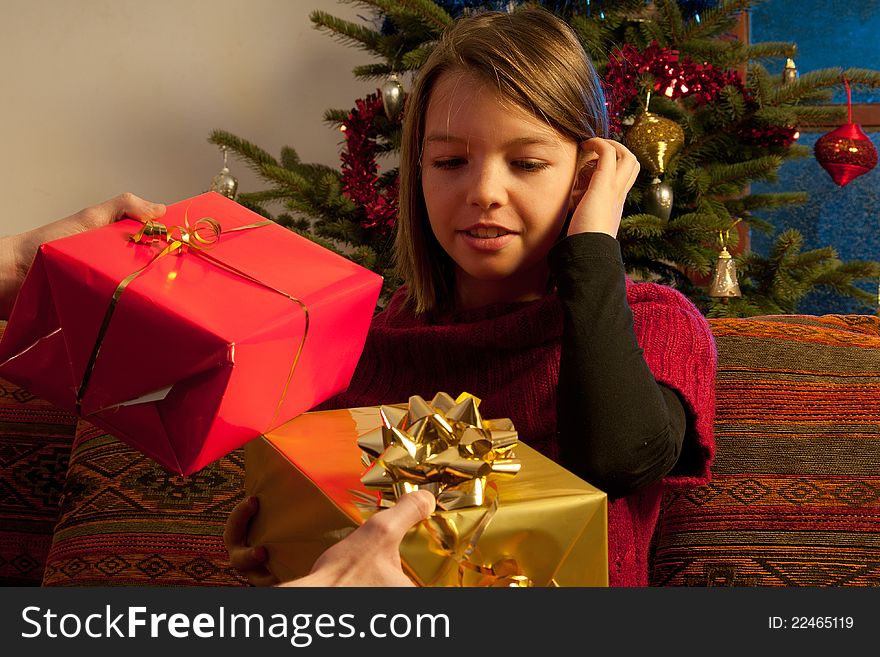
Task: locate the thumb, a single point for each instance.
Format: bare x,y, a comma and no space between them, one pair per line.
410,509
129,205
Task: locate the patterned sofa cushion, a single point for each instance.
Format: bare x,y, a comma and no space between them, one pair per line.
127,521
35,441
795,496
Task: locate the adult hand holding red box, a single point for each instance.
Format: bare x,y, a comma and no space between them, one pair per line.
190,353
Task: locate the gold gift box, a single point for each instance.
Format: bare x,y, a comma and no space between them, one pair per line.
549,525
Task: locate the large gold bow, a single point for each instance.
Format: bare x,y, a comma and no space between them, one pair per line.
444,446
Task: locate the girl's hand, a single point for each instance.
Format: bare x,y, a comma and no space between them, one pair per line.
607,174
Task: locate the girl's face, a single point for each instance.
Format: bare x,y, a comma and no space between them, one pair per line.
498,186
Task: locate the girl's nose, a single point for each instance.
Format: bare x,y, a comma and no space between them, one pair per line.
486,187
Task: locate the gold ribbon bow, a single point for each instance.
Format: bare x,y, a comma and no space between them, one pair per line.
444,446
179,237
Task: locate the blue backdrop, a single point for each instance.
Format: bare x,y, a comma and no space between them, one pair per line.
848,218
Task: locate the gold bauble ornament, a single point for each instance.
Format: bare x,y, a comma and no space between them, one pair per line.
655,140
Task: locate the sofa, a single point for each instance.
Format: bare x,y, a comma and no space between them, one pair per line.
794,499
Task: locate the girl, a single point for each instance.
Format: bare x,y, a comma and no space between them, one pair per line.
510,202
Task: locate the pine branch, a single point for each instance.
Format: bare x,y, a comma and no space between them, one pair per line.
826,77
373,71
347,32
700,226
807,115
336,117
430,13
414,59
641,226
673,22
717,20
723,54
756,223
255,157
281,176
771,49
766,201
261,198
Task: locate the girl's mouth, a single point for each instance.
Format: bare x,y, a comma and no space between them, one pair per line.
487,233
487,239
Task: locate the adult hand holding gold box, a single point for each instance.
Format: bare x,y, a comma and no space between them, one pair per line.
549,527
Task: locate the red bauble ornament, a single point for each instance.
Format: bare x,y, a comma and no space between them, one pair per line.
846,152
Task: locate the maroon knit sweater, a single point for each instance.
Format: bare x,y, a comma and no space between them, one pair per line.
508,356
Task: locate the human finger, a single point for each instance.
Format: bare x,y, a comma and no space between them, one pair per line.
247,560
130,205
125,205
394,523
238,522
602,157
628,164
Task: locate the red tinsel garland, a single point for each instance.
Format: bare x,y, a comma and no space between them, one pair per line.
676,77
360,179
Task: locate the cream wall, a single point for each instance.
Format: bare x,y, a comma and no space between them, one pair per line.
105,96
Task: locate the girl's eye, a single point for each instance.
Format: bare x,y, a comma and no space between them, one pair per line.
530,165
449,163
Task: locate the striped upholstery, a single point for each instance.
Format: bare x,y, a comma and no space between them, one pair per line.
35,441
127,521
795,496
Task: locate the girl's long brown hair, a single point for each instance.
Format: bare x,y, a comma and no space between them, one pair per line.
535,61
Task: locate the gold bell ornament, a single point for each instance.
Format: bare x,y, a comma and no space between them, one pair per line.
224,182
655,140
789,72
725,283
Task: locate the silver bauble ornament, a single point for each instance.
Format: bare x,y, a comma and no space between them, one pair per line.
657,199
392,97
224,182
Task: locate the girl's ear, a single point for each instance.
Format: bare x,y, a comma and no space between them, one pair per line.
586,169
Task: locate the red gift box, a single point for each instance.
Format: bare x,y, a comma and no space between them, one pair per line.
189,354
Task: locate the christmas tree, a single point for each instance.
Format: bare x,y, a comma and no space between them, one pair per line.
696,105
